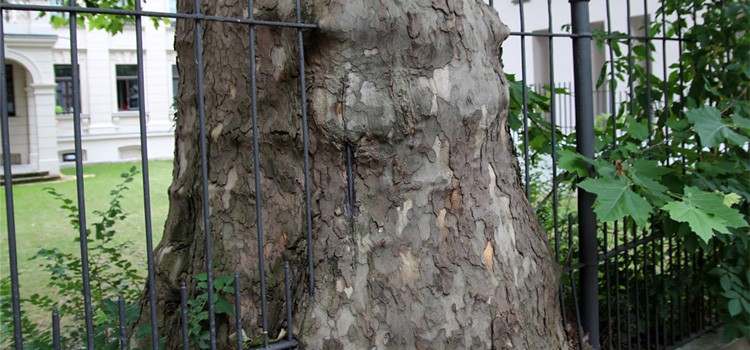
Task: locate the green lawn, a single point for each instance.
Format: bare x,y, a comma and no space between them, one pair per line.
40,223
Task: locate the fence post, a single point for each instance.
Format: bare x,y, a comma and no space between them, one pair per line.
584,100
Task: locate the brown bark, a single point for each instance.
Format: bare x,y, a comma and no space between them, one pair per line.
443,250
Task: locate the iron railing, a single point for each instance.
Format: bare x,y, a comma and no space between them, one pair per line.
623,271
72,10
617,286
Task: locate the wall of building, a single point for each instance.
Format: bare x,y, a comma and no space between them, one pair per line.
109,131
536,19
108,128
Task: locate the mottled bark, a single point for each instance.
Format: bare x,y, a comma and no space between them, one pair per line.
443,250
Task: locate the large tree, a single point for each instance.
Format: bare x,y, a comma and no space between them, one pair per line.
440,250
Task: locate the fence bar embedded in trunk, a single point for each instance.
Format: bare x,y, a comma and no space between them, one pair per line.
121,314
288,290
256,172
308,210
204,180
525,106
145,173
238,310
184,305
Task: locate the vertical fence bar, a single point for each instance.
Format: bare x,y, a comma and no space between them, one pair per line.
146,182
672,293
618,319
238,310
79,176
588,243
350,181
631,96
553,121
637,289
627,282
581,336
612,81
665,292
9,208
681,253
288,290
658,304
698,303
121,314
56,330
184,305
204,179
608,289
525,105
256,172
647,42
647,290
681,262
308,210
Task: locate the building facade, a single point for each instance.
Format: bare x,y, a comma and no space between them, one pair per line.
626,17
40,95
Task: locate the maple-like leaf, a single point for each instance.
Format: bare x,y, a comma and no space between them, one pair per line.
615,199
711,128
705,212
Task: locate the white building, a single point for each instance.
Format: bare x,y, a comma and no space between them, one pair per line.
39,87
626,20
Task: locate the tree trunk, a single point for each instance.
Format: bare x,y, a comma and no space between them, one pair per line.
440,249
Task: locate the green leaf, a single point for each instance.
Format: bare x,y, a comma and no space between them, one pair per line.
713,204
734,307
726,283
636,129
704,212
699,222
711,128
222,281
222,306
143,331
572,162
731,199
615,200
730,333
650,168
741,122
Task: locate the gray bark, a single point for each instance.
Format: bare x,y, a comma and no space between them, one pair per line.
443,250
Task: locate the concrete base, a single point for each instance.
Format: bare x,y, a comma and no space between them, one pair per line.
712,341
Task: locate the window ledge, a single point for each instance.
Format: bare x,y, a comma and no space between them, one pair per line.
127,114
69,116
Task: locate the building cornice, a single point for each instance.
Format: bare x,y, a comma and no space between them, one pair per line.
30,40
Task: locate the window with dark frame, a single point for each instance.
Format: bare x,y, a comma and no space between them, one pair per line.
11,99
127,87
64,88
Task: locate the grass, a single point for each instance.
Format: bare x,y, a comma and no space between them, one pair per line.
40,223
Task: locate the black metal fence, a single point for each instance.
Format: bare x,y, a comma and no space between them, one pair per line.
73,11
624,287
621,287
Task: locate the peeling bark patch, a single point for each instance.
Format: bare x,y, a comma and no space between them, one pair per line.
489,256
505,235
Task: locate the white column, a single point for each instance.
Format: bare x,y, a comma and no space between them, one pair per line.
43,124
